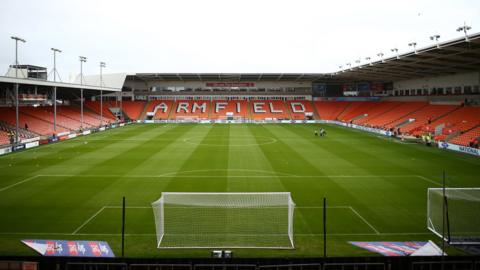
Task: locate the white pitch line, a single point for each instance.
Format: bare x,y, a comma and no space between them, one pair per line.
230,176
296,207
152,234
19,183
428,180
364,220
88,220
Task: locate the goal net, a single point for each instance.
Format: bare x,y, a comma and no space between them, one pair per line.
224,220
460,212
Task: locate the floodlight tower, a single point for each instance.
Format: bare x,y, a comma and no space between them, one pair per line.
82,59
395,50
102,65
464,28
55,51
435,37
368,59
414,45
380,54
17,39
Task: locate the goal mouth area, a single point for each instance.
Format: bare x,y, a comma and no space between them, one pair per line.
235,220
233,241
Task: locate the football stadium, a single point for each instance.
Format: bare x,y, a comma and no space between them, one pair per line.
372,165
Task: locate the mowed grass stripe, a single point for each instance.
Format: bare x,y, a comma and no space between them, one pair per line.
377,208
203,160
38,160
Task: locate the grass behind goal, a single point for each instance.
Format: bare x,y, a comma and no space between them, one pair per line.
376,188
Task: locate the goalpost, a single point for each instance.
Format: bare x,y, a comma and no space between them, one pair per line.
460,209
224,220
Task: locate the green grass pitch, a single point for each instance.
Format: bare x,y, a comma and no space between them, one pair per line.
376,187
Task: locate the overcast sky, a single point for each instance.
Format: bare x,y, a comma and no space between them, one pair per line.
222,35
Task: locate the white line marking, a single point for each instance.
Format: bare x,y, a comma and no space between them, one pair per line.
19,183
283,175
428,180
364,220
152,234
88,220
296,207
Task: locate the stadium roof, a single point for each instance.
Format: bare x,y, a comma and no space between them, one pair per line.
454,56
229,76
450,57
24,81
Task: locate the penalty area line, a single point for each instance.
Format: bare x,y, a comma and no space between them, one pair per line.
364,220
87,221
19,183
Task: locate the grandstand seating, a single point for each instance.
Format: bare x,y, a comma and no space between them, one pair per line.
400,111
298,108
422,117
460,120
40,119
191,109
330,110
95,107
89,118
466,138
35,123
160,114
356,109
133,109
377,110
459,124
4,139
271,109
240,110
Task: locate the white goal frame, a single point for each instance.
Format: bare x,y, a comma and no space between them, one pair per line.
438,231
159,214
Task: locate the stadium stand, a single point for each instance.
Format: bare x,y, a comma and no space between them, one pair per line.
467,137
187,109
270,109
35,123
4,139
356,110
421,117
40,120
161,108
401,111
298,108
133,109
377,110
89,118
460,120
220,108
95,107
330,110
